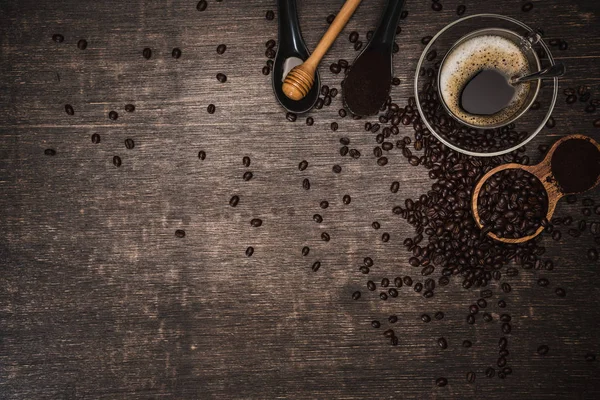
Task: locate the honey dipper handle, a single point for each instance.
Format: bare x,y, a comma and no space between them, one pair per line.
332,33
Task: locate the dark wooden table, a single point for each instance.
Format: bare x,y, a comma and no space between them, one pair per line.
99,299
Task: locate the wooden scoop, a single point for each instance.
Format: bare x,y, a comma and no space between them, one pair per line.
543,172
300,79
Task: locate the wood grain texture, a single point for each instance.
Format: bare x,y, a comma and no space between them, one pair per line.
100,300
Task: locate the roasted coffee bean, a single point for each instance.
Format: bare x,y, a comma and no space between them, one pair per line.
506,287
571,99
383,296
470,374
113,115
407,281
436,6
403,14
330,18
385,237
270,15
316,265
364,270
290,116
58,38
501,303
180,233
211,109
506,328
247,176
336,169
358,45
256,222
425,318
426,39
129,108
117,161
325,237
470,319
202,155
147,53
590,357
270,53
353,37
441,382
201,6
324,204
371,285
50,152
221,77
442,343
592,254
527,6
82,44
305,251
467,344
460,10
543,282
234,200
69,109
563,45
393,292
176,53
303,165
317,218
356,295
487,317
543,350
95,138
375,324
346,199
222,47
129,144
334,126
395,187
249,251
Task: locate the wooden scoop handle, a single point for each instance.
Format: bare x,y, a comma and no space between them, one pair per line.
543,172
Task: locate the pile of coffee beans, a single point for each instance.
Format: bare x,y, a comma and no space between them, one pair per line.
512,204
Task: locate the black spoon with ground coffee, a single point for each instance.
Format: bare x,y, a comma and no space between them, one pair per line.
571,166
367,84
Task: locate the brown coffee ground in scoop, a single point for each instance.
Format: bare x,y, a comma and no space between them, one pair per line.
576,165
367,85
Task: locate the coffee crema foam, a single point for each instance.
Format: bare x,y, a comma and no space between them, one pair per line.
473,56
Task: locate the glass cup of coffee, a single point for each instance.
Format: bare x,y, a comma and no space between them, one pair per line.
474,78
464,88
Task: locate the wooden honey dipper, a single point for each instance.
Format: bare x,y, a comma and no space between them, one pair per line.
543,171
300,79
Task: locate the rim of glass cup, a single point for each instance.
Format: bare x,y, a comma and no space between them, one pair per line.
446,142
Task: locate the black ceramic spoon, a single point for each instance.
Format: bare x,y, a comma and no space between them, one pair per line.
290,44
367,85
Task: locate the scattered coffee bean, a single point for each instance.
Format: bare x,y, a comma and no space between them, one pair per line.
180,233
117,161
201,6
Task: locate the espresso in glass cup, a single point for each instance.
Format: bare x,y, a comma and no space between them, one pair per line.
474,78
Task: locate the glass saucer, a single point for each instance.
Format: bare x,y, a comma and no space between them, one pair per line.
460,136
